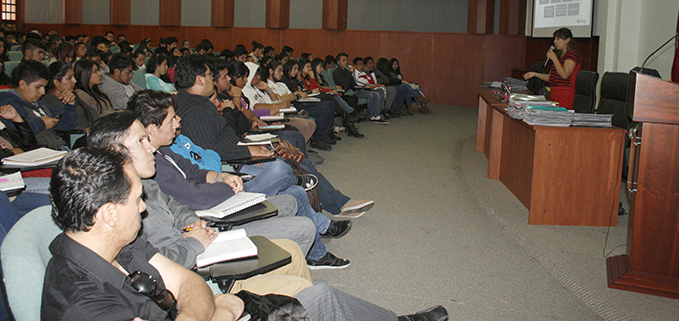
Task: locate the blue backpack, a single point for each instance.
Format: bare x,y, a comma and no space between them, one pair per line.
204,158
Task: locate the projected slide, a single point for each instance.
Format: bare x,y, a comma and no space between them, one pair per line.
554,14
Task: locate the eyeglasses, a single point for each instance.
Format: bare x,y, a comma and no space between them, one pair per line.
127,71
147,285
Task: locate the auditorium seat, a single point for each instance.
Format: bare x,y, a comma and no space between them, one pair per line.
585,91
614,97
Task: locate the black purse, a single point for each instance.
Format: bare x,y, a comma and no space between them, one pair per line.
271,307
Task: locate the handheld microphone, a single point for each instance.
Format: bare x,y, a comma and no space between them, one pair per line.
547,61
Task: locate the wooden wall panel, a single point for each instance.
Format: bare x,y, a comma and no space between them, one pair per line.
245,36
335,14
304,40
481,16
458,68
278,14
413,52
509,17
74,14
170,12
222,13
120,12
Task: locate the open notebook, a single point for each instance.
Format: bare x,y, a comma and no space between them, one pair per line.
229,245
233,204
34,157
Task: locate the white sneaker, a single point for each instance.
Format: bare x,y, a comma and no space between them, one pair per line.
379,120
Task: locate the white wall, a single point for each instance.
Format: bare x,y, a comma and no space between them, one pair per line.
631,29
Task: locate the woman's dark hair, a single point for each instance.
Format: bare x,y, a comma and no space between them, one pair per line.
268,50
256,45
125,47
391,66
151,106
5,44
154,62
85,180
287,50
300,64
58,70
315,63
237,69
207,44
565,33
287,67
383,65
64,50
265,73
226,54
83,72
172,61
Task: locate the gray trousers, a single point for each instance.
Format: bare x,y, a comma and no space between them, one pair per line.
326,303
285,225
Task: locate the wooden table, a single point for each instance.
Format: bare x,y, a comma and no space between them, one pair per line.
563,175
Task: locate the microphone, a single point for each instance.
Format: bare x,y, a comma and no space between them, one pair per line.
653,53
547,61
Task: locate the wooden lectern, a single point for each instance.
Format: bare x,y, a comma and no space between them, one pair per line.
651,264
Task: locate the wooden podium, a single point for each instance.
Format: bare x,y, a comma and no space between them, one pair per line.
651,264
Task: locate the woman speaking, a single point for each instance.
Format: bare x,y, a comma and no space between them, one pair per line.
564,71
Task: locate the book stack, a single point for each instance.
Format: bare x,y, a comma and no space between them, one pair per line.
518,102
548,116
593,120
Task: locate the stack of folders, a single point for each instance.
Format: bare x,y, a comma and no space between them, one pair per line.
548,116
518,102
592,120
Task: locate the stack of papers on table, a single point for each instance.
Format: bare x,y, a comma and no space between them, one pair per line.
547,117
34,157
592,120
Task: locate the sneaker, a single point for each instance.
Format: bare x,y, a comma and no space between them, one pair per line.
329,261
379,120
314,157
308,181
348,216
356,206
437,313
337,229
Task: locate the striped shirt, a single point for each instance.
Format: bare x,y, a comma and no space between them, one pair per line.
556,81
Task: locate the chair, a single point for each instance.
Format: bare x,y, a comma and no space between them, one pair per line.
25,255
585,92
139,78
15,55
327,74
614,98
536,84
10,65
15,48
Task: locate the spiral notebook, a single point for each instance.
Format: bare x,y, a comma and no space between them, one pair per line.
11,182
233,204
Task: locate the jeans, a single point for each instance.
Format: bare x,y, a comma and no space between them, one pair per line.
285,225
284,180
375,101
270,177
324,302
332,200
343,104
323,113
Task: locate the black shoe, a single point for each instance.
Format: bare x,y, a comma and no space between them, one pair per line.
334,137
329,261
313,156
337,229
353,132
437,313
320,145
329,141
